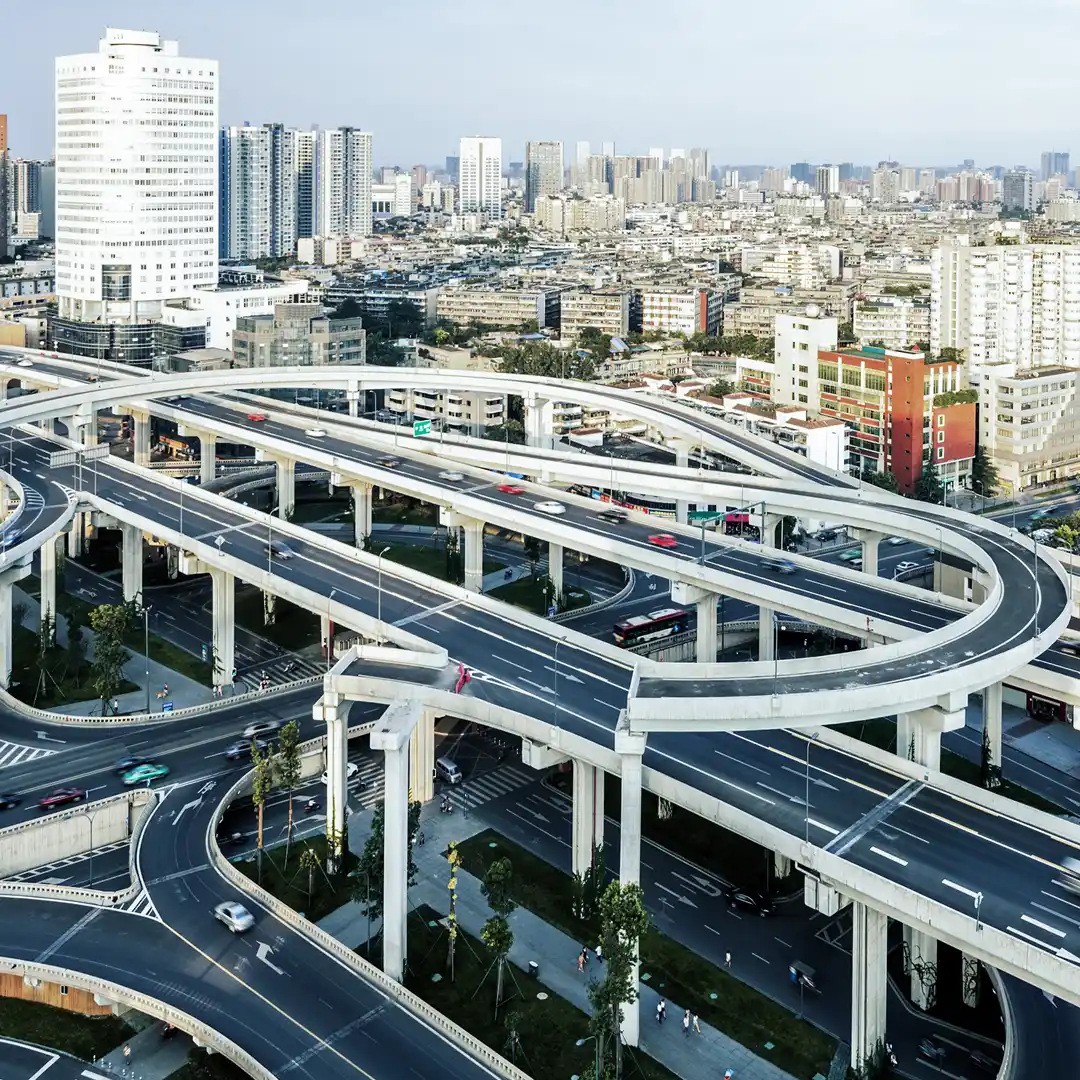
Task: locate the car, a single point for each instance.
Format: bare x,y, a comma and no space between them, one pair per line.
9,801
351,769
451,475
896,541
664,540
616,517
850,556
511,489
61,797
26,363
751,901
549,507
143,774
1040,514
389,462
280,550
316,433
783,566
126,764
235,916
238,749
904,567
10,537
261,727
256,417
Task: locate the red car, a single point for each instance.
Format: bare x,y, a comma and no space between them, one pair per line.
511,489
663,540
61,797
256,417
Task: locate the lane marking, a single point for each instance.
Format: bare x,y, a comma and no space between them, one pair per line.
1042,926
960,888
888,855
1033,940
1056,914
744,764
821,825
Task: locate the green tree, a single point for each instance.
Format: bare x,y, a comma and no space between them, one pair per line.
513,431
929,488
309,861
951,354
544,359
403,319
984,474
262,782
532,552
110,623
722,387
368,878
287,764
496,934
989,770
885,480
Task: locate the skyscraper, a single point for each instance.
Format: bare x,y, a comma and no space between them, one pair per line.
1054,163
342,183
1017,191
801,170
258,192
480,176
5,226
137,220
304,163
543,171
828,179
581,153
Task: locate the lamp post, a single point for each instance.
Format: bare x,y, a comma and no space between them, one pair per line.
329,630
270,538
90,819
1035,580
146,650
806,816
381,554
593,1039
978,910
558,642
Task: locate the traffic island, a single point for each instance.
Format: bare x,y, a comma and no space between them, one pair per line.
85,1037
293,628
531,593
745,1016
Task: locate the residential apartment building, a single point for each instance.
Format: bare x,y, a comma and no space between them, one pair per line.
1029,423
241,292
374,300
480,176
297,335
894,322
607,310
1054,163
1018,191
258,202
464,411
562,215
1013,304
341,186
543,171
5,222
150,234
506,309
798,265
675,310
393,198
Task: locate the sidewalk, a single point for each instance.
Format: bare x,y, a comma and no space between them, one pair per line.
152,1057
183,692
691,1056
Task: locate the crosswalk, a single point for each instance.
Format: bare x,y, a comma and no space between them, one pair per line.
48,869
18,754
141,905
277,672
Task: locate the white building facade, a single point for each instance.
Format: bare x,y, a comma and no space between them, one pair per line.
480,176
342,183
258,195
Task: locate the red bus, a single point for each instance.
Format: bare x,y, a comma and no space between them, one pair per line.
657,624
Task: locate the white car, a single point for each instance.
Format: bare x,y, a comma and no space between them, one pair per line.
896,541
27,362
904,567
550,507
451,475
261,727
350,771
235,916
316,433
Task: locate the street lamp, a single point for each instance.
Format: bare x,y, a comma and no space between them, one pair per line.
558,642
146,649
380,555
978,910
806,818
270,539
329,629
90,819
592,1039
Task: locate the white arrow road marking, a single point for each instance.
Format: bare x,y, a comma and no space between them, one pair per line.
193,805
45,737
678,896
709,888
264,952
563,673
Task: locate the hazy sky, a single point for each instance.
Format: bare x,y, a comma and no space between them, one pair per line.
762,81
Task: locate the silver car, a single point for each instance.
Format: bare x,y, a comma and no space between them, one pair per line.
235,916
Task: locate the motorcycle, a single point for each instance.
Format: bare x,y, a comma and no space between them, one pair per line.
446,807
311,806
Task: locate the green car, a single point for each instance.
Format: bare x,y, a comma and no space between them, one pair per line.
145,773
850,555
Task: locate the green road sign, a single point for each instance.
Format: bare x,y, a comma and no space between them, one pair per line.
699,516
421,427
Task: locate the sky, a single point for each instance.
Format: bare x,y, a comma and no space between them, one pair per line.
756,81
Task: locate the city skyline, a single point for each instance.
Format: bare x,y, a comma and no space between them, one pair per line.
570,100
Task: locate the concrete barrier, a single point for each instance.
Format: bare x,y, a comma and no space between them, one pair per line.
1008,1059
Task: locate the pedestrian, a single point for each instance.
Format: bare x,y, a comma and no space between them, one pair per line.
727,960
581,962
697,1026
686,1022
127,1054
661,1011
729,1074
585,954
600,953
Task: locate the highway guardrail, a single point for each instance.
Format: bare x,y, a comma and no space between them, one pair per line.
615,598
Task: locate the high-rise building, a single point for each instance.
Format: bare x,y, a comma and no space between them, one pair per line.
137,220
24,178
480,176
419,177
802,171
581,153
5,226
1054,163
543,171
828,179
1017,191
342,183
607,149
453,168
304,162
258,192
698,162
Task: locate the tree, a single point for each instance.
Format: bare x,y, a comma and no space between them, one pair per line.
288,770
984,474
589,887
309,861
262,781
929,488
956,356
885,480
368,878
532,551
496,934
455,562
721,388
46,640
110,623
513,431
989,771
623,920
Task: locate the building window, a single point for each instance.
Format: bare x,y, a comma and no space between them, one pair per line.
941,453
941,436
941,421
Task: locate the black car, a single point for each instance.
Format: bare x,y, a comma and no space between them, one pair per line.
616,517
8,802
751,901
241,748
126,764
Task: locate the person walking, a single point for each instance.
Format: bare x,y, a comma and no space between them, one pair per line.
600,953
727,960
696,1025
686,1022
581,962
661,1011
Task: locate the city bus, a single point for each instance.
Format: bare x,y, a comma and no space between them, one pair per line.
657,624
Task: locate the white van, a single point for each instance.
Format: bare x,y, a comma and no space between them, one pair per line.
446,769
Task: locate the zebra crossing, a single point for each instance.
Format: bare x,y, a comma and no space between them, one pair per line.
19,754
142,905
282,669
49,869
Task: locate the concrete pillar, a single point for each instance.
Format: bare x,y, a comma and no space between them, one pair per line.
324,634
766,634
869,998
969,980
588,814
991,710
918,734
922,960
172,562
5,496
555,569
132,561
269,609
474,555
6,632
535,433
781,865
682,506
630,748
870,553
422,759
706,629
286,487
47,577
76,534
224,618
140,427
361,494
353,398
337,756
207,458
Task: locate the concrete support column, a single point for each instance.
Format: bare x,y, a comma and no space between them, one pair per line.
353,398
781,865
706,629
969,979
918,734
630,748
172,562
5,496
922,961
75,534
361,495
474,555
207,458
991,710
870,554
868,982
269,609
140,429
422,758
535,433
132,561
555,569
224,618
682,459
324,635
329,709
766,635
588,814
47,578
286,487
6,632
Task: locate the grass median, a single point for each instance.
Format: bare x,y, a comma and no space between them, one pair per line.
85,1037
529,593
721,1000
